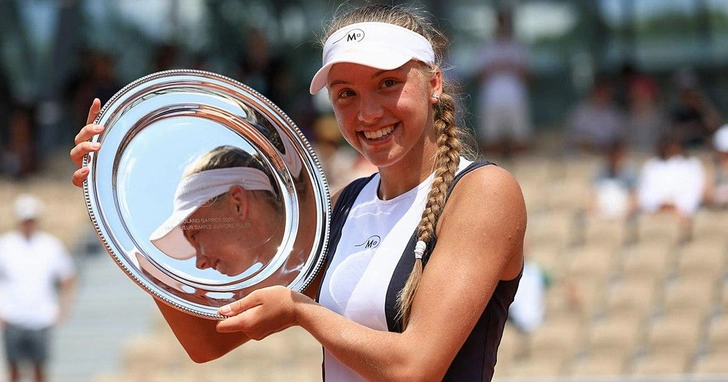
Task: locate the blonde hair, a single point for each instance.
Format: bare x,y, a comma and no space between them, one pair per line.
226,156
445,124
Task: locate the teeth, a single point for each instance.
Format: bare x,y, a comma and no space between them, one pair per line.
378,133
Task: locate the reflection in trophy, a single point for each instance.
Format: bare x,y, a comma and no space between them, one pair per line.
226,213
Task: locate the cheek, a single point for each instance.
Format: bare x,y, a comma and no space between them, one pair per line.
214,241
346,127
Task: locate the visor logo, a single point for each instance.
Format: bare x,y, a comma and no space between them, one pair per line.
354,35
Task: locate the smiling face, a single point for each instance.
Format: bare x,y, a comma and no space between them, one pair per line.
386,115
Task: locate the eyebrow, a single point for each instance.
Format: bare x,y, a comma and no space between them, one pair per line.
376,74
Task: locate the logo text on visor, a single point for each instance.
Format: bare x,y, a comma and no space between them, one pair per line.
354,35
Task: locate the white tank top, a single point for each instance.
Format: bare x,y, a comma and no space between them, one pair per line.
372,241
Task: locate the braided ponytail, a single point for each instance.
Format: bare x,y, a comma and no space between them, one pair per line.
447,160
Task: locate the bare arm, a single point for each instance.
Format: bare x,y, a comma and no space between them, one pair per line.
66,294
197,335
487,207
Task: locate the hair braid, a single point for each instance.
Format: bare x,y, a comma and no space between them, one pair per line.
447,159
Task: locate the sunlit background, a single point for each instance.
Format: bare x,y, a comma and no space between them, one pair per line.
626,299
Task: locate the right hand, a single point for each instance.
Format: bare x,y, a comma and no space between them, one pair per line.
84,145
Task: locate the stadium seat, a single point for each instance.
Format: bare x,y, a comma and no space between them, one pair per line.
607,232
675,333
591,262
705,258
661,364
559,338
634,298
615,337
646,262
717,335
658,226
690,293
598,365
711,363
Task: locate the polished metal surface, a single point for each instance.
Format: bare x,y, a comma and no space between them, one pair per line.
157,129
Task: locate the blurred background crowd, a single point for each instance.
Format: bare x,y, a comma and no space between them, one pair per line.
609,113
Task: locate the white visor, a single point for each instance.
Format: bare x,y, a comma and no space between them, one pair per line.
194,191
378,45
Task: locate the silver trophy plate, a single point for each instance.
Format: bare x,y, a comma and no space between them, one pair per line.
204,191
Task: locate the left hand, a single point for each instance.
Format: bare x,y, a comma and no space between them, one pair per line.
262,313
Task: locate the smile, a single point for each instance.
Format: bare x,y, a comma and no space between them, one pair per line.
379,134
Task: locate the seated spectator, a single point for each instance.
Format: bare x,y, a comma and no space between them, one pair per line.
716,194
19,157
672,181
613,189
597,121
646,119
694,118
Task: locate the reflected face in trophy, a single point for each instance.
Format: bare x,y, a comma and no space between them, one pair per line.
230,233
226,214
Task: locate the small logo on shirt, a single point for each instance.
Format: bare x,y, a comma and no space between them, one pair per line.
354,35
372,242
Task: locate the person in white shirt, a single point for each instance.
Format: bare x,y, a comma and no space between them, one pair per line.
503,72
672,181
37,280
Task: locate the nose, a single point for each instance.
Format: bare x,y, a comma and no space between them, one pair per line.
370,109
202,262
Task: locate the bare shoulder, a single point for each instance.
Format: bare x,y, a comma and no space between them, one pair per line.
487,207
487,185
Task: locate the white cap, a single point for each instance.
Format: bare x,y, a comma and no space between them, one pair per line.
378,45
27,207
720,139
194,191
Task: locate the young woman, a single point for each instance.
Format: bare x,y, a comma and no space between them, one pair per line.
420,272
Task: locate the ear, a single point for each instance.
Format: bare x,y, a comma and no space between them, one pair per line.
436,86
239,202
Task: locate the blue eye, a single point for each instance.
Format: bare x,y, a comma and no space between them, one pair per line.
346,93
388,83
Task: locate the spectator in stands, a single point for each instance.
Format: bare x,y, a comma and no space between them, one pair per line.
37,278
717,185
266,70
166,56
694,118
613,189
646,119
596,122
20,157
672,181
503,73
96,77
